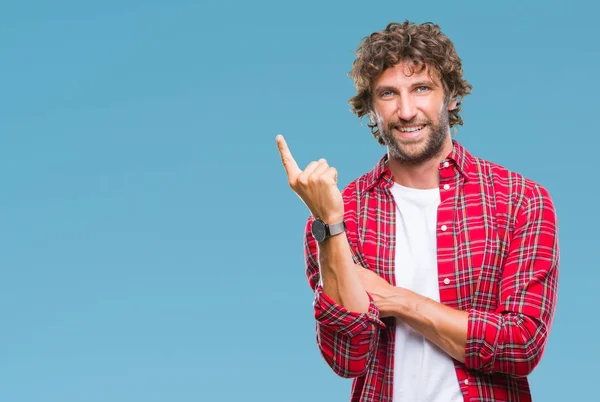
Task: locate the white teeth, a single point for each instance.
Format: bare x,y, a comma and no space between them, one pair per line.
410,129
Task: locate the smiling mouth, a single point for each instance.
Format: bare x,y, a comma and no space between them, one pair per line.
410,129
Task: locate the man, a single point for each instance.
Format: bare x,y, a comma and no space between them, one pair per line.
436,273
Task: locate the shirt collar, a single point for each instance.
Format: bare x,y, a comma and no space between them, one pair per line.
459,157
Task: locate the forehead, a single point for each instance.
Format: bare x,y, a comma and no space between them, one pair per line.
407,72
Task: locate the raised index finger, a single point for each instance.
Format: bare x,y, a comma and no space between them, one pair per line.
289,163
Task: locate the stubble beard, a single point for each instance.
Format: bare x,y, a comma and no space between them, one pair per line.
434,143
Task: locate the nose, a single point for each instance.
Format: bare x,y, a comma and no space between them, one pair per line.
406,108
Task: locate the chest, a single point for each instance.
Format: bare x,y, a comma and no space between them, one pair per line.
470,230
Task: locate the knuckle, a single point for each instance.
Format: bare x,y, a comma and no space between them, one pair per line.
303,180
325,178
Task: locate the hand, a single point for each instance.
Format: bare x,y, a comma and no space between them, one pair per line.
380,290
316,185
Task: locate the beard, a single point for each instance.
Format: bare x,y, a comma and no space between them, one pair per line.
412,152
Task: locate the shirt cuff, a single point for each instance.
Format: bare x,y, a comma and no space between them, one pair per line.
483,332
339,319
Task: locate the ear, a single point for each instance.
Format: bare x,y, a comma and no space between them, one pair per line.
452,103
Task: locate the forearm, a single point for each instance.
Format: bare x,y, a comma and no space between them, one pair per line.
347,335
444,326
339,277
348,341
505,342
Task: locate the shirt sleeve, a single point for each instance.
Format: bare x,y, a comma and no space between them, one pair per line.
347,340
512,338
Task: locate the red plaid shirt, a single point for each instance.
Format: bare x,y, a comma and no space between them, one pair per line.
497,250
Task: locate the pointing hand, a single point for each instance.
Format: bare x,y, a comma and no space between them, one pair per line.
316,185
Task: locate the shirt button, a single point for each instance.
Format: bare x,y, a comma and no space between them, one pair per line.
467,381
446,186
446,281
444,228
446,164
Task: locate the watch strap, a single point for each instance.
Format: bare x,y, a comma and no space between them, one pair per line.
337,228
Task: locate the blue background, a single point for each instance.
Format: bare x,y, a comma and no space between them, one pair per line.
151,249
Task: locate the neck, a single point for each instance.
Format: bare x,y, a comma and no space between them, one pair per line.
421,176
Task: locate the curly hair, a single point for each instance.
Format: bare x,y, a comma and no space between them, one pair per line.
423,46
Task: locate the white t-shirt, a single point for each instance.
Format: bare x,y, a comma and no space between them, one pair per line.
422,371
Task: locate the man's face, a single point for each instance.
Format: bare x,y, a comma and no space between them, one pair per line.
411,113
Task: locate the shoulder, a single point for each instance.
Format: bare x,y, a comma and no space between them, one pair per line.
362,184
356,189
519,190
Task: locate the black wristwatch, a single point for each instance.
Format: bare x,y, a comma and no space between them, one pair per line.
322,231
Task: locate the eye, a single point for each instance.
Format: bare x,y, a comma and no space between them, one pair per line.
386,94
422,88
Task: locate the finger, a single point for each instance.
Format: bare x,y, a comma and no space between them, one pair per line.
306,173
289,163
331,173
321,168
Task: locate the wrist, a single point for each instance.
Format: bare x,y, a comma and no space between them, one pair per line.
332,218
402,302
322,231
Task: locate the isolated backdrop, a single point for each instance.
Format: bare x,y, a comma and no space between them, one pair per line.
150,249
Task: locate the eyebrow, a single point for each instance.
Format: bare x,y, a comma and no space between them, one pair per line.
382,88
425,83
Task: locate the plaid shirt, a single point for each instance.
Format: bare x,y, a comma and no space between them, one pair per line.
497,251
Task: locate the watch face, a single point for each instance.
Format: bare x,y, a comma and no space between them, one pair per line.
318,230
